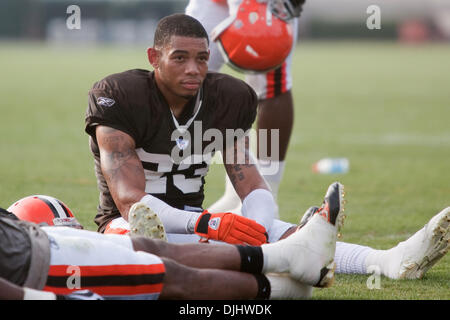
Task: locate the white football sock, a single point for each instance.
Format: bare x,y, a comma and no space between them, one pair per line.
173,219
351,258
260,206
229,202
272,172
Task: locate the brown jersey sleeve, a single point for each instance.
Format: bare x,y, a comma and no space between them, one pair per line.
108,107
124,102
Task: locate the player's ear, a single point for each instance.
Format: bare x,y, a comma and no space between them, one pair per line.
153,57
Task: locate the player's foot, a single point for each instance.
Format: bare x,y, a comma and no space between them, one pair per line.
144,222
308,254
307,215
333,202
412,258
333,205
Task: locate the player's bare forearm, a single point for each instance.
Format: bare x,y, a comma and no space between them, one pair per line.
241,170
121,167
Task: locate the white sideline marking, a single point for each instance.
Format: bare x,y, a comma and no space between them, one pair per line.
398,139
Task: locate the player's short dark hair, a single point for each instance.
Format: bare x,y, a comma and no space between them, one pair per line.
178,24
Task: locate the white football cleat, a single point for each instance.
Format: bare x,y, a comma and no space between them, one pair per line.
144,222
308,254
423,249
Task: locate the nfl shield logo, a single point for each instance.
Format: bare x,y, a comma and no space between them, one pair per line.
214,223
182,144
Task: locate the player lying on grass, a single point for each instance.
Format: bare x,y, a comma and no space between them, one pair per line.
409,259
48,258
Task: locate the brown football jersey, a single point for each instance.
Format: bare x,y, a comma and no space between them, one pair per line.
175,152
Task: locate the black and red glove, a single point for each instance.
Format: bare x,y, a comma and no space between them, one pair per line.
231,228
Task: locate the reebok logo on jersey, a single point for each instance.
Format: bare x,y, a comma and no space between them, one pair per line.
214,223
105,102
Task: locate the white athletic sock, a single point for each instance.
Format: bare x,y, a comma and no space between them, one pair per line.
284,287
356,259
272,172
229,202
260,206
173,219
351,258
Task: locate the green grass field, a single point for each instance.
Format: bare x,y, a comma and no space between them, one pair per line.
384,106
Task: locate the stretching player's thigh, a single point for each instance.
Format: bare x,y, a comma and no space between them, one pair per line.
86,234
102,264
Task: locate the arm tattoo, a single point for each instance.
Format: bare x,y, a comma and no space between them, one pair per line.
120,155
235,169
236,174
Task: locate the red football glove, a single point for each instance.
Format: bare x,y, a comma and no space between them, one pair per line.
231,228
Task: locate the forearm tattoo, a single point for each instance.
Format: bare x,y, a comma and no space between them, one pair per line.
235,169
121,155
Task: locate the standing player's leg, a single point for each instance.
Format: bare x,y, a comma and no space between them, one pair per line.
275,112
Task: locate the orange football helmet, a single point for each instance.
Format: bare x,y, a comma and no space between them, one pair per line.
44,210
254,40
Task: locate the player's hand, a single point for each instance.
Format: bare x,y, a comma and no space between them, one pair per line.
231,228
